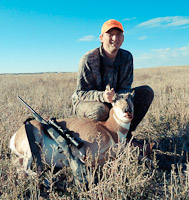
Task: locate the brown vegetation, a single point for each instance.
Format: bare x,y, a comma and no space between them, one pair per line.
166,123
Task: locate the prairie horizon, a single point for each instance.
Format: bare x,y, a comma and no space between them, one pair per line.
55,72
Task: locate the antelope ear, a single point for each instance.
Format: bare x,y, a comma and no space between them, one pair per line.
133,94
114,98
108,87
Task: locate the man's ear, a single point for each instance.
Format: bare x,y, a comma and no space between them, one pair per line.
101,38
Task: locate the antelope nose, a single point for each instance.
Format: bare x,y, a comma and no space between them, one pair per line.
128,110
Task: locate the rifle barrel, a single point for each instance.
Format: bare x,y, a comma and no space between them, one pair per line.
35,114
33,111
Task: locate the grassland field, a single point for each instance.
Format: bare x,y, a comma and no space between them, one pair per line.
166,123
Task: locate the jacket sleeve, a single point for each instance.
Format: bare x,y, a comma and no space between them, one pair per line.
126,75
86,89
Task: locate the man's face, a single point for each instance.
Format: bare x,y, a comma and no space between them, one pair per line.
112,40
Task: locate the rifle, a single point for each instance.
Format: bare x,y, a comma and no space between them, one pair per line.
54,130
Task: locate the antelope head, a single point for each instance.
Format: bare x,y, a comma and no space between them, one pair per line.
123,106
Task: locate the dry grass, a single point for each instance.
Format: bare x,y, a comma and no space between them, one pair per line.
166,123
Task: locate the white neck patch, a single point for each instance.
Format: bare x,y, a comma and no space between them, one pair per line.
121,137
122,124
125,125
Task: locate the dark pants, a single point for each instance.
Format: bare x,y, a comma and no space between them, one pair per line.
100,111
143,98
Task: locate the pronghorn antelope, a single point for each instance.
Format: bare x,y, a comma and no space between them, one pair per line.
112,131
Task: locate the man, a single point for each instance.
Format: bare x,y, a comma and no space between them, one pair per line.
111,65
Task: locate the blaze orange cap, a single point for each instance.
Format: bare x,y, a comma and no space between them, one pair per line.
112,23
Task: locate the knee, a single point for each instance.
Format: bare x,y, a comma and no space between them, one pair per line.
101,112
149,92
144,93
93,110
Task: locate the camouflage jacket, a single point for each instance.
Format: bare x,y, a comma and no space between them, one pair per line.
96,71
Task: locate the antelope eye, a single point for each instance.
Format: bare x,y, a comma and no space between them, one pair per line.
118,98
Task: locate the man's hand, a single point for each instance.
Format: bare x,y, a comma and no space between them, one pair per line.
108,94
